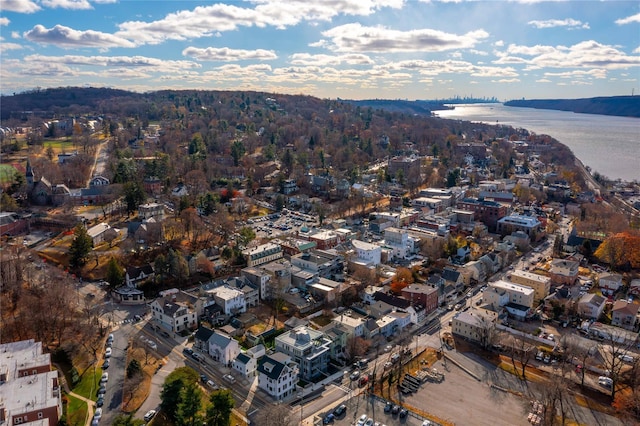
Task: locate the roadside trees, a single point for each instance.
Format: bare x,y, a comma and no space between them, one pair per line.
219,410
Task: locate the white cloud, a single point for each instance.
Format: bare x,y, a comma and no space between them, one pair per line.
357,38
586,54
636,50
629,19
67,4
226,54
499,43
5,47
116,61
19,6
4,21
66,37
204,21
15,34
593,73
323,60
543,80
433,68
552,23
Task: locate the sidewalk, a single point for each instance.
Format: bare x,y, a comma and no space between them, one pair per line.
90,403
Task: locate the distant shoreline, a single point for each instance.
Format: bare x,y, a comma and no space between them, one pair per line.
620,106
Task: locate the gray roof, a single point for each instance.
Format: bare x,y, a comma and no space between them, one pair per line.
220,340
243,358
271,366
203,334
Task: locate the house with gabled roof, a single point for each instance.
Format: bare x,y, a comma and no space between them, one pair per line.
173,315
625,314
137,274
609,283
246,363
223,348
277,375
591,306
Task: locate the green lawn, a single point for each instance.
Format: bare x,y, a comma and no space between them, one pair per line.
76,411
59,145
89,382
7,173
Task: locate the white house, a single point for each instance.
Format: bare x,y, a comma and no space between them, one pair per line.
277,375
400,243
223,348
353,325
231,300
367,253
519,294
246,363
591,306
610,283
173,315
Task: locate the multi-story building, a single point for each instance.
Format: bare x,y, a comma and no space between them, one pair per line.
487,212
518,294
354,326
625,314
173,315
29,389
231,300
421,294
258,278
563,271
223,348
149,210
309,348
367,253
528,224
277,375
540,284
400,243
264,253
475,326
319,262
406,169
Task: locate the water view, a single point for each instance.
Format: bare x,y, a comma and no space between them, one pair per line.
609,145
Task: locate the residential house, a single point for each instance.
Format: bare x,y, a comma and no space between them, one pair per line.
609,283
561,296
563,271
309,348
518,294
322,262
149,210
173,315
625,314
201,338
590,306
223,348
101,232
231,300
453,277
338,335
246,363
353,325
487,212
400,243
29,387
634,287
277,375
135,275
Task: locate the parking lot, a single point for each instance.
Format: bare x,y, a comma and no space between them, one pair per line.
275,224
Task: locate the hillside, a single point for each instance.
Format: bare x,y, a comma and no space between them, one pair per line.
623,106
401,106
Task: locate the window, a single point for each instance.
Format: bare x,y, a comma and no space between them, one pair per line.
17,420
40,415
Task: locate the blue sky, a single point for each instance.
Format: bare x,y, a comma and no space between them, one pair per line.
355,49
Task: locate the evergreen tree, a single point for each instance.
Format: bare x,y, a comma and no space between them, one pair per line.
189,406
173,384
219,412
80,247
133,195
115,273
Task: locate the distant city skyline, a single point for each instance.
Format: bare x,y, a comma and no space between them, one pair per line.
352,49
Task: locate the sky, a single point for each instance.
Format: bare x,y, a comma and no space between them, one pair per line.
350,49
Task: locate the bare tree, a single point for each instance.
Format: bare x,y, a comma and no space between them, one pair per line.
521,352
577,352
553,399
279,414
615,347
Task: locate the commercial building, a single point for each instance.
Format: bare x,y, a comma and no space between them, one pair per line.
264,253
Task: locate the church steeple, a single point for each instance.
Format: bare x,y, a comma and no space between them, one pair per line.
29,173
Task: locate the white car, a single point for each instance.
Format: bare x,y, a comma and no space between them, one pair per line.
98,413
605,381
107,353
104,378
149,415
152,345
362,420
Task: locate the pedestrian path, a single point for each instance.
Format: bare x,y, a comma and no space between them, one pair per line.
90,403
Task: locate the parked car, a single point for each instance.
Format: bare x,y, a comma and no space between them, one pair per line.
229,378
100,402
105,364
387,407
98,413
369,422
354,375
107,353
212,384
403,413
101,390
395,409
363,418
152,345
605,381
329,418
104,378
149,415
340,410
187,351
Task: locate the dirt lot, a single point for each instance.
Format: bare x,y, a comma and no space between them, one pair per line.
462,400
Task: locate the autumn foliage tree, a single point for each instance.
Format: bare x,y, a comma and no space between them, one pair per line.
403,278
621,250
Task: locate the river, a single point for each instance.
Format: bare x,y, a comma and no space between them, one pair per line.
609,145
